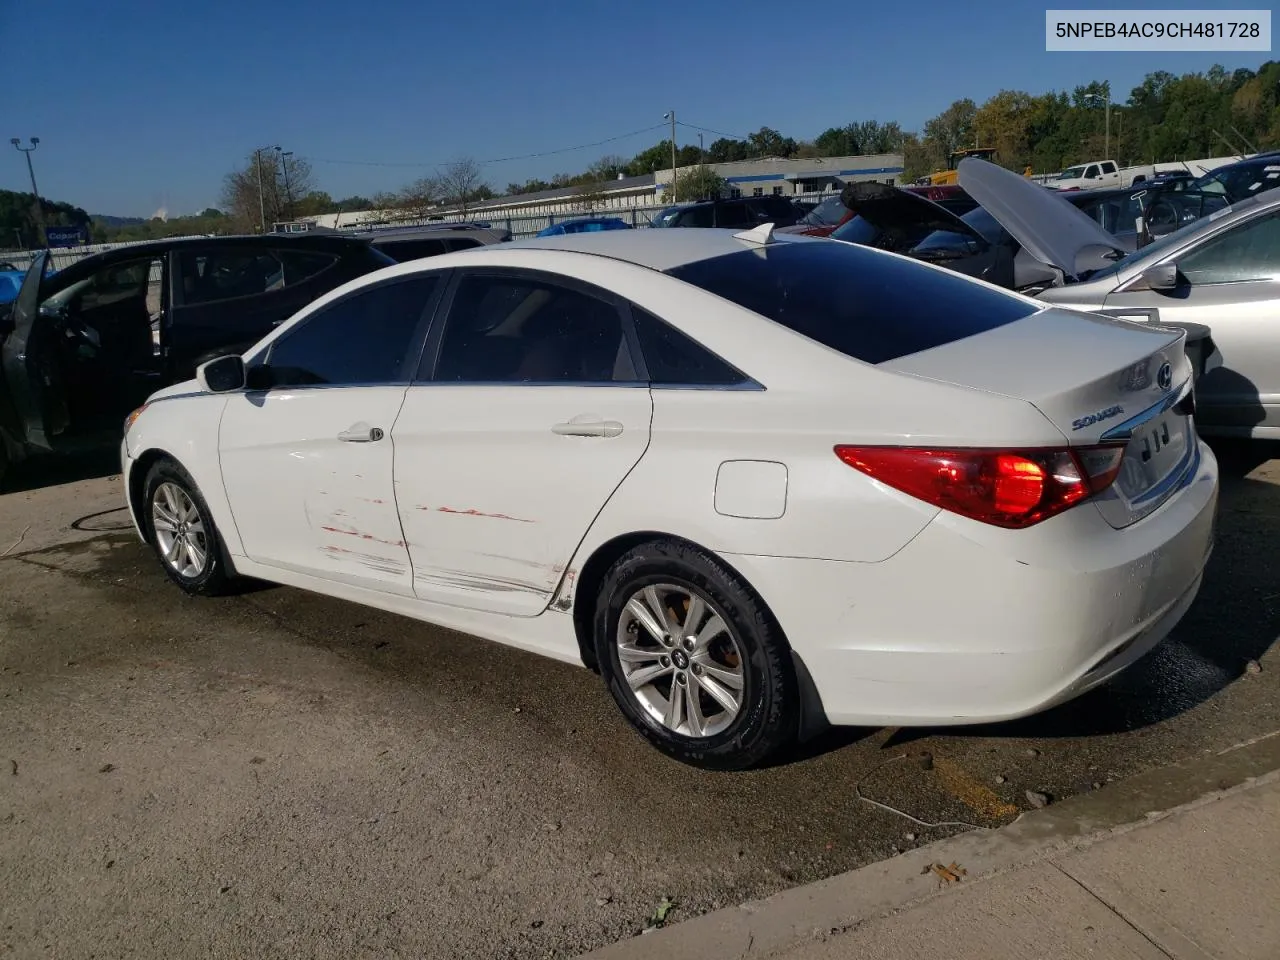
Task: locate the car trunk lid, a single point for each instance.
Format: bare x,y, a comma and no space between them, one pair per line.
1099,381
894,208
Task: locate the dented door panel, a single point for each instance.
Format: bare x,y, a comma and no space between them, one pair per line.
308,476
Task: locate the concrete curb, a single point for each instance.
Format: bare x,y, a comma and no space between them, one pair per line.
818,910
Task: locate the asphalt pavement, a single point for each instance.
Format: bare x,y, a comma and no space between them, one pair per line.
281,774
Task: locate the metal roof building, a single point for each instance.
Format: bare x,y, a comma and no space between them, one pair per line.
777,175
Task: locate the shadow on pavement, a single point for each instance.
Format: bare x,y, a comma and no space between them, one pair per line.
52,470
1237,458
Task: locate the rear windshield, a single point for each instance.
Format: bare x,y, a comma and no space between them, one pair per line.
865,304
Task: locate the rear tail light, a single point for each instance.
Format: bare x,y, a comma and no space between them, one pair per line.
1007,488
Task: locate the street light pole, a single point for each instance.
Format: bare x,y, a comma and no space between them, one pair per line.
35,191
1107,134
1106,143
671,115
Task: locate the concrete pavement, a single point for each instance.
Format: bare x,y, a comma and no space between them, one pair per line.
1191,882
1195,885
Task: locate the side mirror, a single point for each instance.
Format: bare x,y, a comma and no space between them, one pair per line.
222,375
1163,276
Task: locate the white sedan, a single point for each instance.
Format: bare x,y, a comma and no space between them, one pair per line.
758,483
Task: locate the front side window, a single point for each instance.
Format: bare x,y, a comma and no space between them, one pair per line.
365,338
1249,251
523,329
122,281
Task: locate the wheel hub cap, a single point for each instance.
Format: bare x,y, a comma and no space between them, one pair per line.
680,659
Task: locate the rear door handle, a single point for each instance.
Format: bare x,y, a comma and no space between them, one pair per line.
587,427
361,433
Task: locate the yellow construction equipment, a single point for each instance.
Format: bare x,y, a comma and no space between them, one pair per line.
948,177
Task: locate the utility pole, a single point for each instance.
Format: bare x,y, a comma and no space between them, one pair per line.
35,191
284,169
262,207
671,115
702,153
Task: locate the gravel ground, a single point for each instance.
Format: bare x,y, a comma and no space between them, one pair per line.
280,774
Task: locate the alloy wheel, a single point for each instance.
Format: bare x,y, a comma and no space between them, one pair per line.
181,538
680,660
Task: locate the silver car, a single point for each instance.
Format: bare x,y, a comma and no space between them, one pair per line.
1221,272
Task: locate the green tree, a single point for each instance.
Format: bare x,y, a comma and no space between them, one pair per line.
698,183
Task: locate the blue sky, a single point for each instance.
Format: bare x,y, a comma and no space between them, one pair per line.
142,104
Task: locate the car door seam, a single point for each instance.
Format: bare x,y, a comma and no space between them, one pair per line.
390,437
567,575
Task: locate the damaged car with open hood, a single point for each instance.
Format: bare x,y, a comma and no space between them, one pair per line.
972,240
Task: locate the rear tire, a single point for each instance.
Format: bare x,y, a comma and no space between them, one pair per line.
181,530
693,658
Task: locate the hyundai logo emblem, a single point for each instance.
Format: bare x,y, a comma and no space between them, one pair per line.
1165,376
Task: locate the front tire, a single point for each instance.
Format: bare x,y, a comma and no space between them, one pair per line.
181,530
693,658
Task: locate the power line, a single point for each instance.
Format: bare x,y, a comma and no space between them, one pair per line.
526,156
718,133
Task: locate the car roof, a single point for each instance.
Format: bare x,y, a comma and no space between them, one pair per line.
655,249
317,241
392,233
327,242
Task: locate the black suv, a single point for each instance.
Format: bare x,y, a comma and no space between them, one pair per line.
82,347
740,213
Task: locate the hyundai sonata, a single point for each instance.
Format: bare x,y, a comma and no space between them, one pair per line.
757,482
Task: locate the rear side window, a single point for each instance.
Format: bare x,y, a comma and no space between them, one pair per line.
675,359
406,250
300,266
852,299
698,217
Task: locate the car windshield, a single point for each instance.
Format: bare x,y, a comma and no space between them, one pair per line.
1152,250
1238,182
865,304
977,218
826,214
1072,173
856,230
664,218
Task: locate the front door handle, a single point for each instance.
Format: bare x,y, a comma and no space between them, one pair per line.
583,426
361,433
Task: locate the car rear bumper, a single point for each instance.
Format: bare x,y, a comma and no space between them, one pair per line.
974,624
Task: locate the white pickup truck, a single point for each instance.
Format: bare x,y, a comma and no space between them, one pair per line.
1091,175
